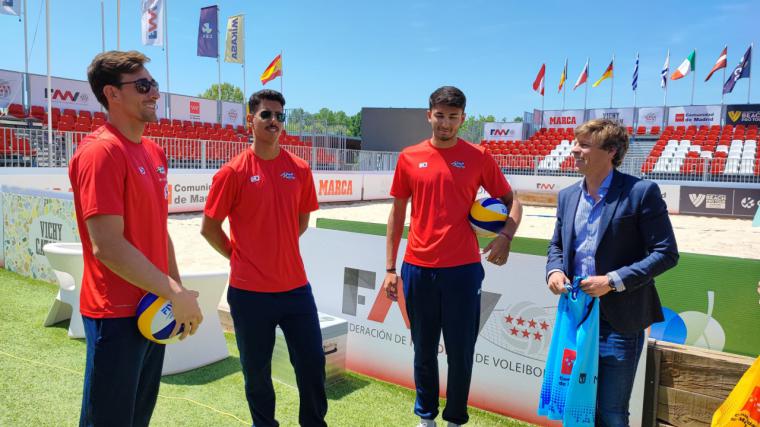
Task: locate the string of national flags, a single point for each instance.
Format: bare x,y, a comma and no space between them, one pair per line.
688,66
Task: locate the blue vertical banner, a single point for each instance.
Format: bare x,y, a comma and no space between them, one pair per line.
208,32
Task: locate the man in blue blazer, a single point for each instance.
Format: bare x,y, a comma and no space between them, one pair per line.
613,229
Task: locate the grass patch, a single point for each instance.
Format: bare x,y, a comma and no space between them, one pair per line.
41,372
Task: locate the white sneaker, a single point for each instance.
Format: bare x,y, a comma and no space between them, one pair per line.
426,423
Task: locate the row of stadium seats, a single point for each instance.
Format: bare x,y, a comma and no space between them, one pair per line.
15,150
691,157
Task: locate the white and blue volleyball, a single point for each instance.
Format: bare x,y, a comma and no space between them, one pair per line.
155,319
488,216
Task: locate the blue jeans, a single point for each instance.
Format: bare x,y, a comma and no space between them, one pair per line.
122,374
443,300
618,357
255,316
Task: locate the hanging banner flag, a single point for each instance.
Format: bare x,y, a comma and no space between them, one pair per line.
720,63
208,32
11,84
635,81
273,71
686,66
152,22
741,71
562,78
234,48
607,74
10,7
538,84
664,72
583,77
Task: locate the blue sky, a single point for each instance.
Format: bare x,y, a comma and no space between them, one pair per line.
349,54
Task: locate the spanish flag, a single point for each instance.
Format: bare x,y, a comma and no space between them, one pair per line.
273,71
607,74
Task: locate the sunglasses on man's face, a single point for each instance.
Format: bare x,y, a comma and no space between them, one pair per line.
142,86
266,115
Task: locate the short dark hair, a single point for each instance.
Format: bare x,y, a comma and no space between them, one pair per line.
449,96
107,67
608,135
268,94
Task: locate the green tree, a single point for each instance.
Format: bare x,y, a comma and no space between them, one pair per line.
517,119
230,93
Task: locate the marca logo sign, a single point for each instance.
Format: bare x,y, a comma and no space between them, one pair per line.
562,120
335,187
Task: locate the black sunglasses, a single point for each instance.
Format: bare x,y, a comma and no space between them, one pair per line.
142,86
266,115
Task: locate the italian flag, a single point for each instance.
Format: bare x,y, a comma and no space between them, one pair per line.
686,66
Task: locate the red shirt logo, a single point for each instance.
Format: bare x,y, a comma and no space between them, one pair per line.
195,107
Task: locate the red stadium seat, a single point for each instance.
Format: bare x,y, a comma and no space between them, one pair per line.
16,110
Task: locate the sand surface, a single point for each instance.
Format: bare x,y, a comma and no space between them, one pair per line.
695,234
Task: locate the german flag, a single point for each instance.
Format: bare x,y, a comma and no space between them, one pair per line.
273,71
607,74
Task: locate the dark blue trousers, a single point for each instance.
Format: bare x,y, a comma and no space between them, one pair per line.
122,374
618,357
443,300
255,316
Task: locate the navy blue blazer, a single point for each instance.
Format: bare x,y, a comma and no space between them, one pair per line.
635,239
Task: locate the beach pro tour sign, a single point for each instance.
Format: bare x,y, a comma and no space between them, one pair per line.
563,118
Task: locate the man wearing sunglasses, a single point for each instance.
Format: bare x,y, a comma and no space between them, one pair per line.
120,196
268,193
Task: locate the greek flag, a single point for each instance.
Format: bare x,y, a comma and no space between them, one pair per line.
665,70
635,82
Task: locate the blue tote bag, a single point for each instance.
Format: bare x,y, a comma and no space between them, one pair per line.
568,392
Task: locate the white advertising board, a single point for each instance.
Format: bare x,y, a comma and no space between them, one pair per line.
696,115
338,187
651,116
622,116
562,118
233,114
11,88
66,93
194,109
508,369
503,131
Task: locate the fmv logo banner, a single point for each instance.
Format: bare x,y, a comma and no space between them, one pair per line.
64,93
502,131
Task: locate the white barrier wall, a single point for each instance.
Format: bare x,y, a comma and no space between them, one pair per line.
188,188
517,314
11,88
651,116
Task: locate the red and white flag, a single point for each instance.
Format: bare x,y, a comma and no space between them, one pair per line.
583,77
720,63
538,84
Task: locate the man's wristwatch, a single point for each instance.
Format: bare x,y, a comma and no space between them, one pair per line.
611,283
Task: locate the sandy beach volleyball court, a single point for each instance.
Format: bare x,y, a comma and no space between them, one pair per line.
695,234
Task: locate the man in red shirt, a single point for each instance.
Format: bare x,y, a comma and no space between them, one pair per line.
120,197
268,194
442,273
